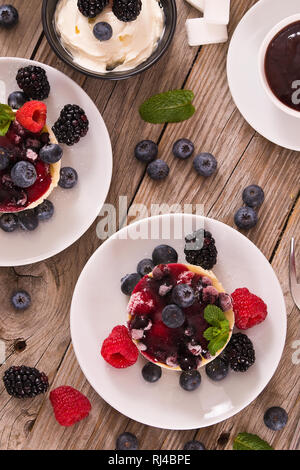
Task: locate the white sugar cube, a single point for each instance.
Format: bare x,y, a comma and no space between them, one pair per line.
200,33
2,92
217,11
198,4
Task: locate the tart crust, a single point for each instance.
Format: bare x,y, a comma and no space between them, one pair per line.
229,315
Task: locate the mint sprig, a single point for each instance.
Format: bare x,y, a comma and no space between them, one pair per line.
6,117
246,441
218,333
170,106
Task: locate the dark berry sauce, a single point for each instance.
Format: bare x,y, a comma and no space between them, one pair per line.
163,343
282,65
23,145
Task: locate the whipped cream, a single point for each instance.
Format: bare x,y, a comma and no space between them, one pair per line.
131,43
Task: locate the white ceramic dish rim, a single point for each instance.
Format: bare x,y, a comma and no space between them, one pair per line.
261,63
78,234
252,396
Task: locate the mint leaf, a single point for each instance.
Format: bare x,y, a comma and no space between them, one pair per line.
6,117
245,441
214,315
219,342
211,333
170,106
218,334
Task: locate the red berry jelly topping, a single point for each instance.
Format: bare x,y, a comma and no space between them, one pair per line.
23,145
184,346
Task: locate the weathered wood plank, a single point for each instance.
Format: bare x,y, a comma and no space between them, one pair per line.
21,40
216,127
124,124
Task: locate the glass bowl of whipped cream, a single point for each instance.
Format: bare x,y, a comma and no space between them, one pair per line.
109,39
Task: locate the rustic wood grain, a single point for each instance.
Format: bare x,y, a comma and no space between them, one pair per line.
243,157
22,40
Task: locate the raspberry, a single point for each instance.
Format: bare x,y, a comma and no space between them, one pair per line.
118,349
69,405
32,116
141,303
249,309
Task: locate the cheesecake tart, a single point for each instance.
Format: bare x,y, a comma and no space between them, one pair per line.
182,345
23,145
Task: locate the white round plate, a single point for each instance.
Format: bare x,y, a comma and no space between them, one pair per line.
243,73
98,305
77,208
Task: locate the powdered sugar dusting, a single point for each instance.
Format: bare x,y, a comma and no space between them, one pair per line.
137,334
185,278
138,299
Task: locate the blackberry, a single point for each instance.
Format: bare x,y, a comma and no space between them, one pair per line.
127,10
200,249
71,125
25,382
240,352
34,82
91,8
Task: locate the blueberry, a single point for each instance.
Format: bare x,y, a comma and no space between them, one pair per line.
68,177
217,370
51,153
20,300
205,164
183,148
9,16
245,218
173,316
102,31
23,174
164,254
28,220
145,267
127,441
275,418
158,170
151,372
194,445
146,151
45,210
190,380
183,295
187,362
9,222
4,158
17,99
253,196
129,282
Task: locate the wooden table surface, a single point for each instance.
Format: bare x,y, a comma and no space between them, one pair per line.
40,337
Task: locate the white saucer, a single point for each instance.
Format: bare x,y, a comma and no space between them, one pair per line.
77,208
243,76
98,305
